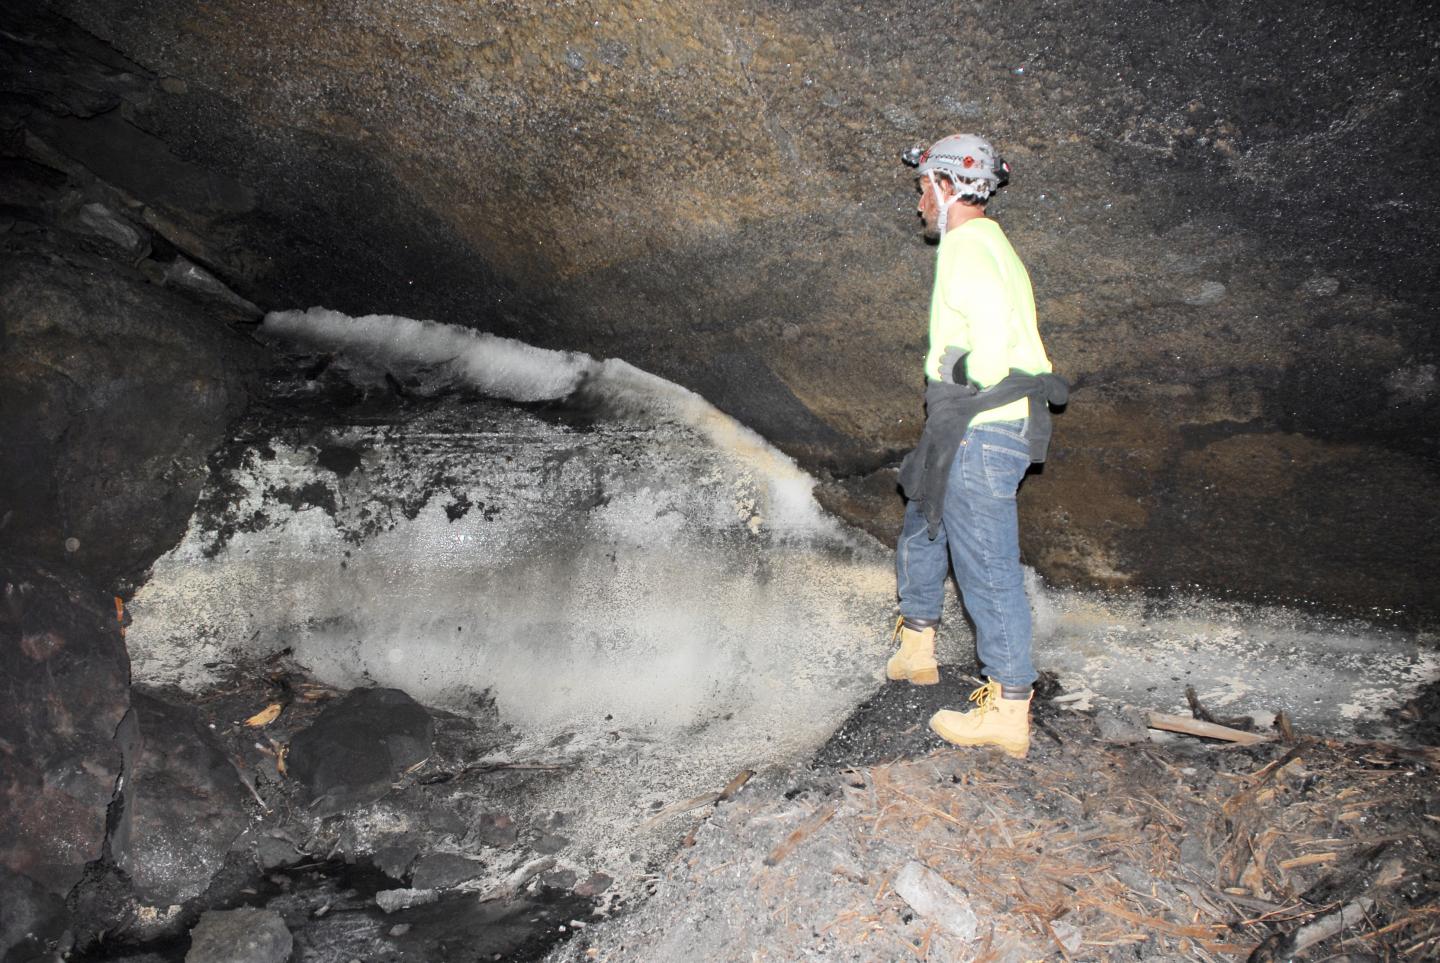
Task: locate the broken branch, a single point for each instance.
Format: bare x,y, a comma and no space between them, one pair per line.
805,830
1206,730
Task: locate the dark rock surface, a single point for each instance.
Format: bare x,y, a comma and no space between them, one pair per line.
445,870
115,391
240,936
117,377
394,858
359,745
1226,208
64,691
187,805
31,918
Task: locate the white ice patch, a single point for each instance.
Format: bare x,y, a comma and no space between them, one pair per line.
1327,675
515,371
661,569
499,367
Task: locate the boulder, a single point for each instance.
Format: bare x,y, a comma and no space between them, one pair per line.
115,392
64,691
186,809
352,753
240,936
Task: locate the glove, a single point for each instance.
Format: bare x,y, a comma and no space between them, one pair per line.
952,366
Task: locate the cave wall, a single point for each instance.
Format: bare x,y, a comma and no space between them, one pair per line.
1226,210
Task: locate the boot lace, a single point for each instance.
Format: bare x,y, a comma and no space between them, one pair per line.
986,696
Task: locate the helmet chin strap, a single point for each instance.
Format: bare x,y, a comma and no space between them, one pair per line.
940,202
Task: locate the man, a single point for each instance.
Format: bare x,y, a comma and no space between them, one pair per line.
988,383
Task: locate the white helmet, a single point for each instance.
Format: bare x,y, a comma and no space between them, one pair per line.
967,161
963,156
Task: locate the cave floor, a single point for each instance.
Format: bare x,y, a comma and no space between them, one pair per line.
1102,844
1088,849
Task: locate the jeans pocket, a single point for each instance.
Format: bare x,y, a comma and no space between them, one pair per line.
1004,467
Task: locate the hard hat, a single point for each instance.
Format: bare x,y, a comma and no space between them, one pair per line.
960,155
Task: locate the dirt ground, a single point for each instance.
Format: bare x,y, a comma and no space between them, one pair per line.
1092,848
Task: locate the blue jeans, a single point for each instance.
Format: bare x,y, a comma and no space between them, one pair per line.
981,531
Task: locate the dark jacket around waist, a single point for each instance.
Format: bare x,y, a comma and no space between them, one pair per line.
949,409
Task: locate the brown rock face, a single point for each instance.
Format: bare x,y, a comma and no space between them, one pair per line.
1226,208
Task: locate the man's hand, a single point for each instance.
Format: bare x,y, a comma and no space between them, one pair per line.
952,365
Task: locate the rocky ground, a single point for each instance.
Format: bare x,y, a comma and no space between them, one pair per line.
1102,845
368,827
364,825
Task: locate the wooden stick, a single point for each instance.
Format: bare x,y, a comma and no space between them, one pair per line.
1309,859
733,786
1328,926
511,885
1287,729
1207,730
700,801
683,806
806,829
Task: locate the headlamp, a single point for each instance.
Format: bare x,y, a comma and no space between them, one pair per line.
913,155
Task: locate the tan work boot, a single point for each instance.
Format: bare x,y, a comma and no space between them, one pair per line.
995,721
916,659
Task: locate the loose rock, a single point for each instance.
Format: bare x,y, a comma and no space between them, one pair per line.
100,220
391,900
930,895
188,805
240,936
593,886
191,277
496,830
1124,727
445,870
352,753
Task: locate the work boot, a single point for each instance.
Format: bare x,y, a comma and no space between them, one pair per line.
996,720
916,659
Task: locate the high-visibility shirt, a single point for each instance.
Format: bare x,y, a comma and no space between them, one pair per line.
983,303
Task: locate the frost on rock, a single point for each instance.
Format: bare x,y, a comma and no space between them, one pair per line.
628,568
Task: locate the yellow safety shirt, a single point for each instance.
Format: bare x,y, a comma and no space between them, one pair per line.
983,303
